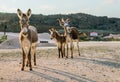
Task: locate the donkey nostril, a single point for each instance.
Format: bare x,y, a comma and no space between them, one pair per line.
25,33
51,38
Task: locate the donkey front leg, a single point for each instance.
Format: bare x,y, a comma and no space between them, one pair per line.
23,59
59,51
29,59
62,52
34,58
27,63
67,50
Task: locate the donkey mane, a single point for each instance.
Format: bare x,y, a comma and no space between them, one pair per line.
60,37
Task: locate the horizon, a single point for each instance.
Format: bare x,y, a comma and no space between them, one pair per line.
109,8
62,14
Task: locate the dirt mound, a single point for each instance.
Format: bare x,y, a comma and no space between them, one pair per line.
10,44
14,44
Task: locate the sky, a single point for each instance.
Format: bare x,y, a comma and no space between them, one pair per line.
110,8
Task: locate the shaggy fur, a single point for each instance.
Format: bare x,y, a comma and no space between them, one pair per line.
28,38
72,34
60,41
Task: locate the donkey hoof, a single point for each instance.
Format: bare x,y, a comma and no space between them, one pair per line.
72,57
35,64
30,69
22,69
66,56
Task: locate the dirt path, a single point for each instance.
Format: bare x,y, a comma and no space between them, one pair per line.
99,62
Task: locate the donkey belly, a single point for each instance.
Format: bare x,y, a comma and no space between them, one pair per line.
26,46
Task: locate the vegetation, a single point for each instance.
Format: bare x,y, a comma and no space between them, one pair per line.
44,22
83,22
3,38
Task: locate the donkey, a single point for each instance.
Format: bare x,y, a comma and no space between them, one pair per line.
28,38
72,34
60,41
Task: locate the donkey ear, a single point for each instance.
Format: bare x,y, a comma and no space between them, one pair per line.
67,20
50,29
19,13
29,13
62,20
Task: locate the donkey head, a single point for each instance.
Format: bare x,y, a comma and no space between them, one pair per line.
24,19
65,23
53,33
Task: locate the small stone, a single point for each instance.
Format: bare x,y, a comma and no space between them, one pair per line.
84,75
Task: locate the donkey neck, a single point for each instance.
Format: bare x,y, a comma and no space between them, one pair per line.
58,36
65,31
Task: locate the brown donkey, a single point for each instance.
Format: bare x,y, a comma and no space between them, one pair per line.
60,41
72,35
28,38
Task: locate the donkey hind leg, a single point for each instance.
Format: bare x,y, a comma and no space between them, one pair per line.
71,48
63,49
29,59
23,59
33,52
78,48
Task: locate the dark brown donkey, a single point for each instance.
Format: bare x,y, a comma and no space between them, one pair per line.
60,41
28,38
72,35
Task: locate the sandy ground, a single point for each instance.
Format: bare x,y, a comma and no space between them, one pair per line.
99,62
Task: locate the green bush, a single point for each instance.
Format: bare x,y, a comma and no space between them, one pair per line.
3,38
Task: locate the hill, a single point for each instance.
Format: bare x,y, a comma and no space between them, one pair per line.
44,22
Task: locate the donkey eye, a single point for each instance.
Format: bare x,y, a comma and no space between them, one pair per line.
22,20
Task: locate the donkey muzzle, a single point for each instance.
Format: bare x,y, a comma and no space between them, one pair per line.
25,31
51,38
